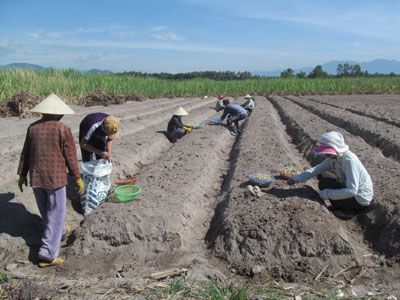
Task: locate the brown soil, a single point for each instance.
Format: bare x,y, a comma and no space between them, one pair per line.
193,211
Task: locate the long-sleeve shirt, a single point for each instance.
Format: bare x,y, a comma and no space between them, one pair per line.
249,104
48,151
175,123
233,108
350,172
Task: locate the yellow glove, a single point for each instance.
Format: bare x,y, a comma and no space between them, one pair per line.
188,129
21,181
81,186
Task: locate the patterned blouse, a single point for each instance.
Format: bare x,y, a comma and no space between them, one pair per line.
48,151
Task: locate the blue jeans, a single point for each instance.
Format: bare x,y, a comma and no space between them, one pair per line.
236,118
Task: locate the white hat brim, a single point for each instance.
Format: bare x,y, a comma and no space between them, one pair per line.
53,105
180,112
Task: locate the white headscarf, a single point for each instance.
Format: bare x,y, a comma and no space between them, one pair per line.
335,140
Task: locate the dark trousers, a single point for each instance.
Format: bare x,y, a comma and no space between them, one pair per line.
236,118
176,134
349,205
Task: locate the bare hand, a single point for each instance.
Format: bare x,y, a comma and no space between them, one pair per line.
105,155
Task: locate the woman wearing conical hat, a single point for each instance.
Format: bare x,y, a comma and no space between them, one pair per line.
49,150
176,129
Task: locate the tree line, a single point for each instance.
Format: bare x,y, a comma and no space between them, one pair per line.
342,71
345,70
214,75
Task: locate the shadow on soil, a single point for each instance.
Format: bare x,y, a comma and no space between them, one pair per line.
14,217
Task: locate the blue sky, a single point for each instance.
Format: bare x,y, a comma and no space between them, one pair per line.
176,36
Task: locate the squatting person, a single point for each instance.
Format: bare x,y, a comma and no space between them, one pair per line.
236,113
176,129
351,190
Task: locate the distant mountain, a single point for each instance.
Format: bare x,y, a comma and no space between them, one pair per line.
25,66
97,71
381,66
22,66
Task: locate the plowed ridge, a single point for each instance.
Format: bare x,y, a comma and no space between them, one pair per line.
193,208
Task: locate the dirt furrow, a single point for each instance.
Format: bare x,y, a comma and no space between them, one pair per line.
161,114
382,117
284,232
193,211
378,107
134,117
377,226
167,225
378,134
144,140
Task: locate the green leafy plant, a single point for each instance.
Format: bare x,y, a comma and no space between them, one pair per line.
5,277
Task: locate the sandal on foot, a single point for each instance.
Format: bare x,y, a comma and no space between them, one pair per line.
58,261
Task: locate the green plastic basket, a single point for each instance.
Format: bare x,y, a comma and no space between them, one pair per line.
128,192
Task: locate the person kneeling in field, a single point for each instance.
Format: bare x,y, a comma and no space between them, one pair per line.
176,129
236,113
351,191
249,104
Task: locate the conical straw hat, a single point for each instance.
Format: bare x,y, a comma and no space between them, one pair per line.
53,105
180,112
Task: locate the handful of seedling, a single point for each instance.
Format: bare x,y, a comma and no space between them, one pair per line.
289,172
262,177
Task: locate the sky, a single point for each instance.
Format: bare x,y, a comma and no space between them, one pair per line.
179,36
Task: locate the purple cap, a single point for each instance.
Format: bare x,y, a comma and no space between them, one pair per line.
324,149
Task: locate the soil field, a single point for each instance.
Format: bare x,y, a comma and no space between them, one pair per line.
194,212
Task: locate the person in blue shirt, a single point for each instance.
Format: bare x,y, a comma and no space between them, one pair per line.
235,113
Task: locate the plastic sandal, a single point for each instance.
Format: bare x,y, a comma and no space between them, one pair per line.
58,261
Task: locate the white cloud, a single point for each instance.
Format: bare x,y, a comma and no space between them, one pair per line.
159,28
125,34
168,37
365,18
33,34
55,35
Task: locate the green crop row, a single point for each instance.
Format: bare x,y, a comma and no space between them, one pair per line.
73,85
